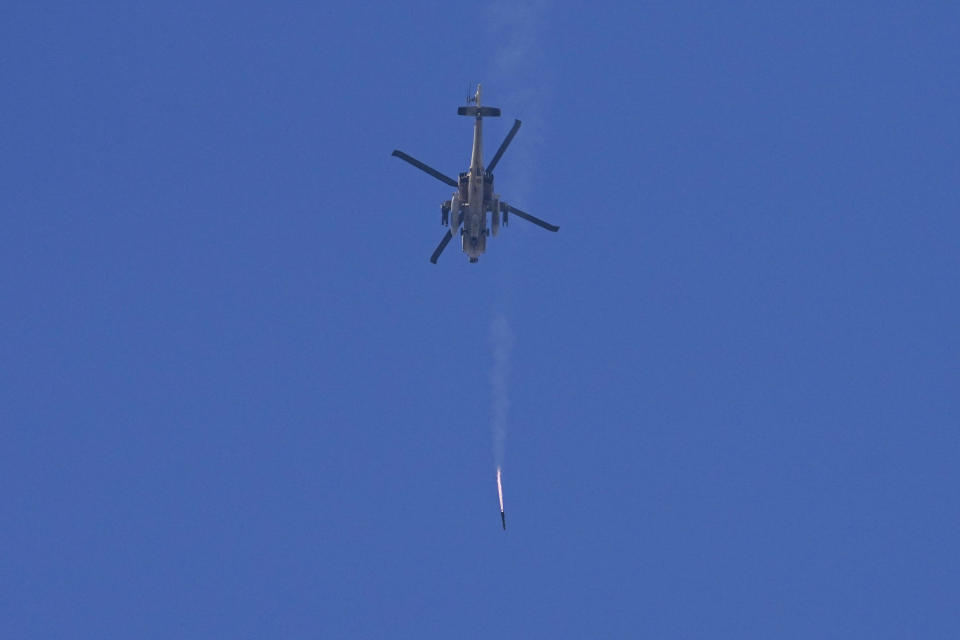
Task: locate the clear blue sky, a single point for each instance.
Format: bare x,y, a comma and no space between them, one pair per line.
237,401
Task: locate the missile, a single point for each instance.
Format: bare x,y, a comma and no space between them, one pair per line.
503,518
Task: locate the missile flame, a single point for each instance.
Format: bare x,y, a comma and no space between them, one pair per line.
500,489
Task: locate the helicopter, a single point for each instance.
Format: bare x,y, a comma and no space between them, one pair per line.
466,211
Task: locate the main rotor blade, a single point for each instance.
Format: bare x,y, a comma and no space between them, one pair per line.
527,216
423,167
441,247
504,145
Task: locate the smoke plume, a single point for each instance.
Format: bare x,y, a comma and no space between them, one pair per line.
522,80
502,340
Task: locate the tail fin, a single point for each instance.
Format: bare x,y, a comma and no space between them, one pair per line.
481,112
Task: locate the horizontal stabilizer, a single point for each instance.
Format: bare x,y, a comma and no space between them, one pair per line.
483,112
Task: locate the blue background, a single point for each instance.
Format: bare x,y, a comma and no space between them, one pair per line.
238,401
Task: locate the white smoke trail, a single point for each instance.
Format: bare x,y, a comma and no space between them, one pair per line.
501,338
522,80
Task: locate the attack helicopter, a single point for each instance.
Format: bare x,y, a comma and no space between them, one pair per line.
466,212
